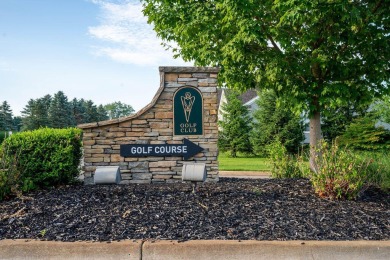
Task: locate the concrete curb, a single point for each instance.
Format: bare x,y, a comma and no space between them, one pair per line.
267,250
195,249
33,249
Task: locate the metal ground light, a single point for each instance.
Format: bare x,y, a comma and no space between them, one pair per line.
107,175
194,172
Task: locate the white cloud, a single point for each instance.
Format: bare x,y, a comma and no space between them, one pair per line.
126,37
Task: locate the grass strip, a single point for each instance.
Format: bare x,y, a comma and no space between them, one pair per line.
243,163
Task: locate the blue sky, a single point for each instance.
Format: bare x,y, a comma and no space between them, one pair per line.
101,50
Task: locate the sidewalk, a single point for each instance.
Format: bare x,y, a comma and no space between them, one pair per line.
201,249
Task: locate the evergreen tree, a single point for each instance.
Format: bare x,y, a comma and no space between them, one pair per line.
6,123
91,112
35,114
274,120
102,113
17,123
363,134
235,126
79,111
334,121
28,122
60,111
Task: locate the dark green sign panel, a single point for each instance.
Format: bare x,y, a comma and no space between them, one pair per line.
188,112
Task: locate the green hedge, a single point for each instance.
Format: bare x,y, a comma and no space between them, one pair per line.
42,158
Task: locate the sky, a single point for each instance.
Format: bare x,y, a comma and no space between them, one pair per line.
100,50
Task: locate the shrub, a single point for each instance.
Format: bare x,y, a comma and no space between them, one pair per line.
340,173
284,165
46,157
362,134
9,176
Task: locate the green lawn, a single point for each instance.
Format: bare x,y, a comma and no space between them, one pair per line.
243,163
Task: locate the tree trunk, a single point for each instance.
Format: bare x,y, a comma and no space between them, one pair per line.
315,134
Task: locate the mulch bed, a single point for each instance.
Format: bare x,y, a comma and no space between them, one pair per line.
239,209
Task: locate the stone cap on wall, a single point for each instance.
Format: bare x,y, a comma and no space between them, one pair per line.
189,69
162,69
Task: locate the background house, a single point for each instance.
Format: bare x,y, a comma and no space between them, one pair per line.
248,99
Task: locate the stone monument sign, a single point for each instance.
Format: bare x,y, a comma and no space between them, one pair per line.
179,126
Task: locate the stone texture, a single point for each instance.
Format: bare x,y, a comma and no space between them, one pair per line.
142,176
162,164
161,176
200,75
208,80
162,115
171,76
188,75
89,142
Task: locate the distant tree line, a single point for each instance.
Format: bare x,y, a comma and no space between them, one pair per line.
58,112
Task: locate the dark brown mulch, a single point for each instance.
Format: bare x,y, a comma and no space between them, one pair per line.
231,209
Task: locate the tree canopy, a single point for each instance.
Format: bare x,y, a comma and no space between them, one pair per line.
329,50
118,109
315,53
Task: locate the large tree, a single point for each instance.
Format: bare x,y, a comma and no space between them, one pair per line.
316,53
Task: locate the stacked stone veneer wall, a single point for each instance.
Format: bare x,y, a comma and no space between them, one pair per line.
154,125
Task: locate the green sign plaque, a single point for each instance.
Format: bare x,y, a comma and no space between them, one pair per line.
188,112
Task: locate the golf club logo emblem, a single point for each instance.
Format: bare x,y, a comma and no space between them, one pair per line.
188,111
187,102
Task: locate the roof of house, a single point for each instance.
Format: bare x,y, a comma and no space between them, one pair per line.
244,97
248,96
